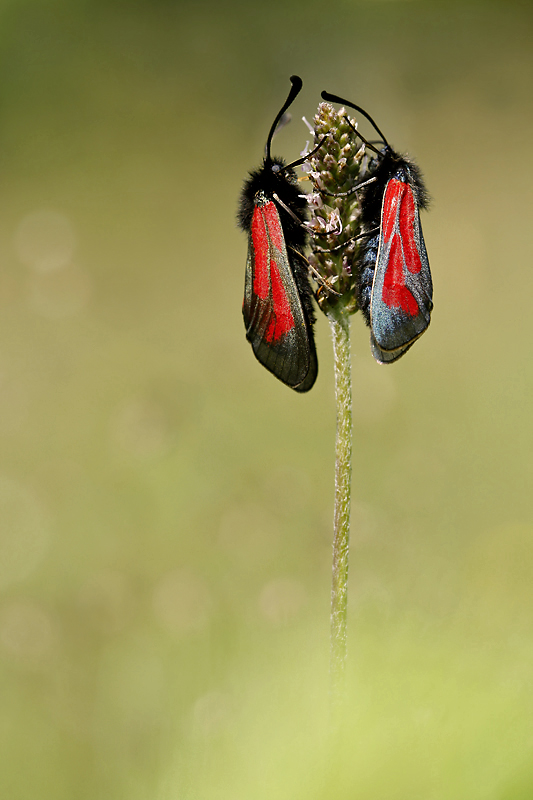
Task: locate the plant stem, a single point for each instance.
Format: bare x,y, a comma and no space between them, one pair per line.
336,218
339,319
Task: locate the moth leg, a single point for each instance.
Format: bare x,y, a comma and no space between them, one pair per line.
353,190
352,239
324,283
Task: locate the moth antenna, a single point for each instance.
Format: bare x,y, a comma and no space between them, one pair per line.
309,155
365,141
296,88
333,98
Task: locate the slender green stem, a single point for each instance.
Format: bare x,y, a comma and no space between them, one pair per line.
339,320
336,217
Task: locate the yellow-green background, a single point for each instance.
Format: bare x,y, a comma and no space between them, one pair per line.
166,505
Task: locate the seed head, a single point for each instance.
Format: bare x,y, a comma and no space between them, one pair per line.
334,170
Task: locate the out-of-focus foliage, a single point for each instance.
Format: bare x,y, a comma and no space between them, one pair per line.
165,504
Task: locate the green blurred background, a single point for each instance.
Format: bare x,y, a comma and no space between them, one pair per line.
166,505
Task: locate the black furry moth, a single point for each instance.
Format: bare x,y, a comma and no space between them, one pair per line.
277,309
394,289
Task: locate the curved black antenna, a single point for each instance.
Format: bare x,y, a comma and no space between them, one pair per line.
365,141
296,88
309,155
333,98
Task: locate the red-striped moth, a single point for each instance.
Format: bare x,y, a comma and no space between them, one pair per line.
394,287
277,309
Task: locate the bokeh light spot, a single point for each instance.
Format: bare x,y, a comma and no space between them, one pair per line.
61,293
211,713
108,601
281,600
45,240
182,602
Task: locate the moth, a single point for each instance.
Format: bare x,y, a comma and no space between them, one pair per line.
394,286
278,306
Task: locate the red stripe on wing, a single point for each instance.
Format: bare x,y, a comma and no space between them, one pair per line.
391,204
266,231
407,231
282,320
274,226
395,293
399,207
260,243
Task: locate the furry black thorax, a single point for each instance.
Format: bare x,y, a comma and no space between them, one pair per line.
273,178
384,167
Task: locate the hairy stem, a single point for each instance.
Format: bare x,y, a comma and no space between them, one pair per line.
339,320
336,218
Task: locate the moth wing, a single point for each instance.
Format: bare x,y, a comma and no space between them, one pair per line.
401,302
276,325
387,356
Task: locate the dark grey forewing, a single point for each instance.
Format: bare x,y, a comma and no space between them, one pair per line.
292,357
387,356
395,329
